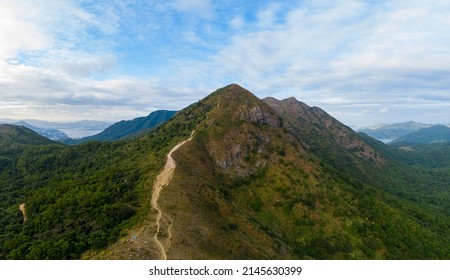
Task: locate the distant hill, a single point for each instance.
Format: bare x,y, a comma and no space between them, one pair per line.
126,128
85,125
50,133
393,131
10,134
430,135
14,140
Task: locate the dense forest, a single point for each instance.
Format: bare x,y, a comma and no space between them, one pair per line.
76,197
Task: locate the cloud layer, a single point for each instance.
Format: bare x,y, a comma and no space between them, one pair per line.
363,61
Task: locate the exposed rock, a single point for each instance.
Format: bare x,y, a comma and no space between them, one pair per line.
258,116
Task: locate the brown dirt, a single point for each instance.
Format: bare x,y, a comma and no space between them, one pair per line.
150,239
24,213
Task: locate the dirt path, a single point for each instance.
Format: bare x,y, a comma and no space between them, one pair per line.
151,239
162,180
22,209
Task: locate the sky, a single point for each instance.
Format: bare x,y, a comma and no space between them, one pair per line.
364,62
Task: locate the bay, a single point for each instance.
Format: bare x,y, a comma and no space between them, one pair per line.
80,133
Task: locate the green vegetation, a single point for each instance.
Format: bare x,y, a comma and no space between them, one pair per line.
253,178
394,131
419,175
259,180
77,198
430,135
125,129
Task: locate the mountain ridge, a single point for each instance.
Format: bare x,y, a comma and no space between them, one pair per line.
127,128
269,179
244,179
22,135
393,131
50,133
430,135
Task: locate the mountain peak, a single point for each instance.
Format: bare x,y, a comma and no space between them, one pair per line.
312,123
234,87
236,103
233,91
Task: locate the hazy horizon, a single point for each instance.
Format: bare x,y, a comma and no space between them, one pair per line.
373,125
364,62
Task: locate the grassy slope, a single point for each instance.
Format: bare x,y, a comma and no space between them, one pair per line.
245,180
364,159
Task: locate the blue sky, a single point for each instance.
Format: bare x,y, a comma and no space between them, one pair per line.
365,62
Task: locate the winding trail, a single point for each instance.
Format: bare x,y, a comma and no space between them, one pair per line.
24,213
161,181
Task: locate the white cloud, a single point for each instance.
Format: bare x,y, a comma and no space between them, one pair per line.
191,37
83,65
58,95
48,56
345,56
267,17
335,54
18,29
237,22
202,8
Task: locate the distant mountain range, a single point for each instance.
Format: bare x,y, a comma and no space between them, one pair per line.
86,124
110,132
50,133
429,135
408,133
389,132
52,130
124,129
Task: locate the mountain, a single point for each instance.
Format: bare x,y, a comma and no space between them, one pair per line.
18,134
421,156
229,177
393,131
430,135
14,140
246,187
127,128
85,125
362,158
324,136
50,133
